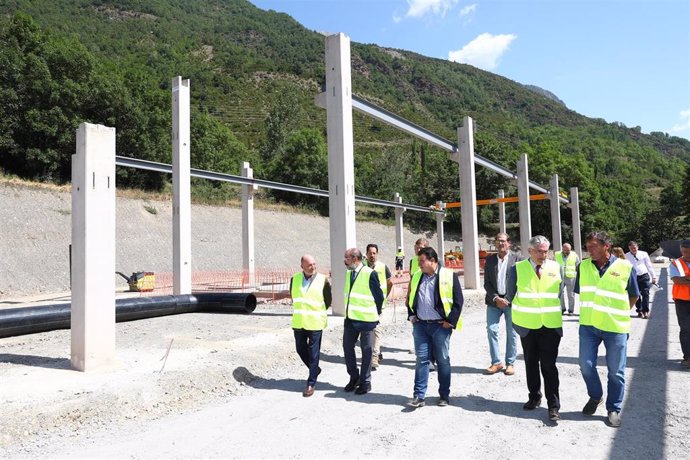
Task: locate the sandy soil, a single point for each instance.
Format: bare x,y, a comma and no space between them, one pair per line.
231,387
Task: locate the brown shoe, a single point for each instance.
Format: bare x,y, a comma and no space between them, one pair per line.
308,391
685,363
510,370
491,370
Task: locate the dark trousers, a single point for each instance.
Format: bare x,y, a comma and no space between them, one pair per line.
683,315
540,348
308,345
366,342
644,282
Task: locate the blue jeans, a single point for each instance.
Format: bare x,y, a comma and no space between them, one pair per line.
616,352
427,337
493,318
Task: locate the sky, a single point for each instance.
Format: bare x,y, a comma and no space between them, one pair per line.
621,60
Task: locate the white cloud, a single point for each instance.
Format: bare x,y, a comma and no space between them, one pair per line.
468,9
684,125
420,8
484,51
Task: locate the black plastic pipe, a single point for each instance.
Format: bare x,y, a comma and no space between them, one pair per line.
30,320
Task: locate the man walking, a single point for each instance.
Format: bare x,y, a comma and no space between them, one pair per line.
533,288
414,261
568,261
311,296
679,271
399,262
608,290
363,302
434,307
495,277
384,275
645,277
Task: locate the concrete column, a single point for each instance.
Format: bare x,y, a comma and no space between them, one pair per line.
248,226
523,201
501,213
398,223
341,176
575,206
440,216
468,197
93,248
182,204
556,239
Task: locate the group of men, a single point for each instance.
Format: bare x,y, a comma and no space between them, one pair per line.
532,294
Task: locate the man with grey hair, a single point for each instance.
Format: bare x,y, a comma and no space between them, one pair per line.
533,289
568,261
363,302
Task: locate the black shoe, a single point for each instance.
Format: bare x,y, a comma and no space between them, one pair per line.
352,385
443,402
363,389
591,406
554,416
532,404
380,356
416,402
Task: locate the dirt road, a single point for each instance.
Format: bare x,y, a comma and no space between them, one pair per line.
231,387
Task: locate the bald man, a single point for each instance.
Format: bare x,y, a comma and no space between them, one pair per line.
568,260
311,296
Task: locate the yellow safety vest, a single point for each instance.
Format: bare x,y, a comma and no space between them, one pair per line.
414,265
380,269
536,302
400,254
604,301
359,301
570,264
308,307
445,278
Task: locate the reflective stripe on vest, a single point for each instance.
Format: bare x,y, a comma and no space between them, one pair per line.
414,265
308,307
604,301
359,301
681,291
445,276
536,301
380,269
570,264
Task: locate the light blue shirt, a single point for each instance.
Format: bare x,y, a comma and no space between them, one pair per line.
425,298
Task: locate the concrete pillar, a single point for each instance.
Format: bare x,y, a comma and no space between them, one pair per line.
182,204
575,206
468,197
556,239
399,223
440,216
248,226
523,201
341,176
93,248
501,213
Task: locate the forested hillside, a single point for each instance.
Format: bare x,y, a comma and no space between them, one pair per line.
254,75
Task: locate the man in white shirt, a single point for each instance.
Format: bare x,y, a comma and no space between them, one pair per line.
645,277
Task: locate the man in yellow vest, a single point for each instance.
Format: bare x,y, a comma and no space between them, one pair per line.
384,275
608,290
414,261
568,261
311,296
434,306
399,262
363,303
533,289
679,272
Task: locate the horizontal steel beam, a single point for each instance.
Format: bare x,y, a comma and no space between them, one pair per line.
413,129
166,168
